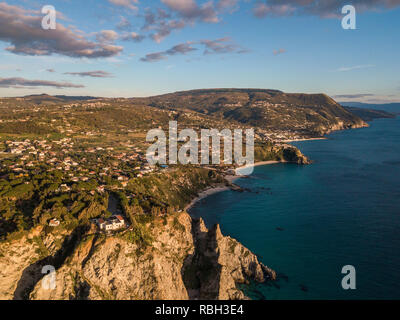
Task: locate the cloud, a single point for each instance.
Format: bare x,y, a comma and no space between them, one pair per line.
344,69
182,13
160,24
132,36
24,83
262,10
22,29
218,46
367,98
279,51
227,5
128,4
124,24
182,48
222,45
189,9
353,96
110,36
323,9
165,28
107,36
154,57
93,74
50,70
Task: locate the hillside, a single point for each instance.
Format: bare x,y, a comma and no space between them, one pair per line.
273,111
274,114
164,254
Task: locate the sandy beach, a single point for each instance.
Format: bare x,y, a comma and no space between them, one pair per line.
207,192
261,163
305,139
230,179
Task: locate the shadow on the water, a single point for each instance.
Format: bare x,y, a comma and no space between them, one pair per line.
282,276
33,273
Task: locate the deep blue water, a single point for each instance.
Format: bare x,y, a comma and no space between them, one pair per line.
344,209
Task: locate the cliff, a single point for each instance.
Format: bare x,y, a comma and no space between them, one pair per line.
183,261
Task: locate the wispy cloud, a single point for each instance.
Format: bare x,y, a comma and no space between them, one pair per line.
363,66
93,74
160,25
190,10
107,36
367,98
221,45
25,83
182,48
353,96
128,4
178,14
262,10
279,51
124,24
217,46
132,36
323,9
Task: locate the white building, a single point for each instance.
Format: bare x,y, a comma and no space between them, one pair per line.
113,223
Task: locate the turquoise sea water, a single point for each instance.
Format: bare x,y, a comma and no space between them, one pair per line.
307,222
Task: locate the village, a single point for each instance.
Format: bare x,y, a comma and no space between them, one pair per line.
77,164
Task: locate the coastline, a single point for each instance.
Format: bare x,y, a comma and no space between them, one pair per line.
205,193
304,139
256,164
230,179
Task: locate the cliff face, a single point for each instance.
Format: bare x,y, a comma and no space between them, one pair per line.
14,258
340,125
218,263
21,260
184,261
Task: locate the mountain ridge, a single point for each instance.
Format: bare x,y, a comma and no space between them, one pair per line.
274,113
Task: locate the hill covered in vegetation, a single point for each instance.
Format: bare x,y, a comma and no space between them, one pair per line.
276,113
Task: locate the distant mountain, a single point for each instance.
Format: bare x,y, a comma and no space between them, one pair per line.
310,114
48,99
370,114
74,98
389,107
306,115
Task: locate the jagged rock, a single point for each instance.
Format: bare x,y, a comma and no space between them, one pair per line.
185,261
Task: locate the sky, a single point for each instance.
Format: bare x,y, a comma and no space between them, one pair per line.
132,48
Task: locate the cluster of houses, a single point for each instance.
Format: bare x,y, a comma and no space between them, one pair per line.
26,146
75,162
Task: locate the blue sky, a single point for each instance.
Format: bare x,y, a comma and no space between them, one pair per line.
106,47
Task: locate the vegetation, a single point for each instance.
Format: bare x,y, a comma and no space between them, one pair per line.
61,157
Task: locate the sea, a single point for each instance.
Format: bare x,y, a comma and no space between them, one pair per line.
307,222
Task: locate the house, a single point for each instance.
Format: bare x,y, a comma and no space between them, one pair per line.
113,223
54,223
